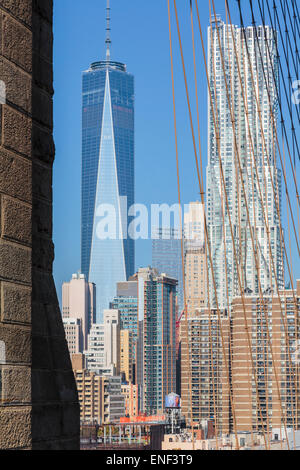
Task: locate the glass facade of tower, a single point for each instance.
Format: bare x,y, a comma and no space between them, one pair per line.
167,258
128,308
107,254
157,304
249,145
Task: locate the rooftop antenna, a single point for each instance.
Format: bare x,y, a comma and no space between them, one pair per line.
108,39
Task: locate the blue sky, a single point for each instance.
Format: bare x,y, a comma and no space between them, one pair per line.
140,39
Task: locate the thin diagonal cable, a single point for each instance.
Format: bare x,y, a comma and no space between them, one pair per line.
274,192
265,146
241,173
202,184
282,123
293,28
283,81
285,12
228,211
295,300
246,112
285,51
196,93
223,210
296,18
239,198
289,45
233,241
293,24
179,200
223,220
287,56
282,77
201,192
279,101
274,124
197,167
275,279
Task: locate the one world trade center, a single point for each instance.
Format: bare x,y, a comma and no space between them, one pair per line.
107,175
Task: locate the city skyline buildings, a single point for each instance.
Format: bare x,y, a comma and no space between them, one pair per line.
248,267
260,336
75,54
107,173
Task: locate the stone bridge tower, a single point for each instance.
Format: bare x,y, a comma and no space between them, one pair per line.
38,399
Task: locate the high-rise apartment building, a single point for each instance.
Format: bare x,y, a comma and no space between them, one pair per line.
243,369
100,397
78,303
266,373
167,257
95,348
205,366
196,293
157,346
242,145
126,302
107,176
103,348
194,258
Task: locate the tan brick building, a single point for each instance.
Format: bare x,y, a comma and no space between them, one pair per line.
130,392
264,378
194,258
276,323
204,378
127,358
100,397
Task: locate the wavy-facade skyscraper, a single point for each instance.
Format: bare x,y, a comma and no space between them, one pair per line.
247,150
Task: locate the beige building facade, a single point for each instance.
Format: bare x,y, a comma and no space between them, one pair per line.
127,357
265,376
79,302
243,370
100,397
194,258
73,331
111,323
205,368
131,394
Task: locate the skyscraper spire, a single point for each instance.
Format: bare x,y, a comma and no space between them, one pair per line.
108,39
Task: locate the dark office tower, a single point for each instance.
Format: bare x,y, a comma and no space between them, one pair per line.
156,350
167,257
107,175
126,301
